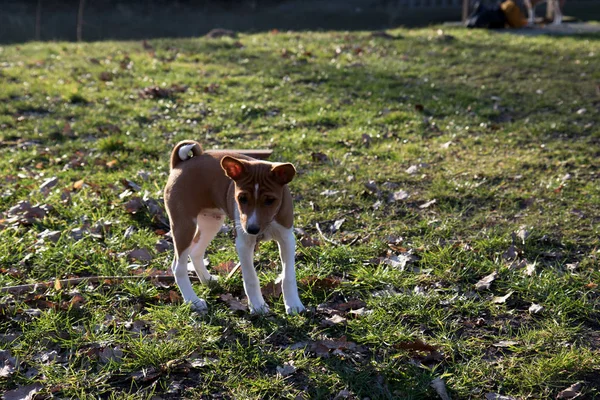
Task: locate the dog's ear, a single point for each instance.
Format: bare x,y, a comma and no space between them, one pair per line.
233,167
283,173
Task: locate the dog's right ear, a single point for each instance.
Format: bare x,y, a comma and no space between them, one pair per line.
233,167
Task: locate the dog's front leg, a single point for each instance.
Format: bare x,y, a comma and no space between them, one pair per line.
558,16
287,250
244,245
531,12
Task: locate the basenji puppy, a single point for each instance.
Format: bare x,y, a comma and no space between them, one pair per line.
203,188
557,4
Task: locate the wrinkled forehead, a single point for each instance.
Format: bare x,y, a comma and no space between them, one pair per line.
258,173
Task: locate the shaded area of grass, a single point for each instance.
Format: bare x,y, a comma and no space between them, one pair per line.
501,131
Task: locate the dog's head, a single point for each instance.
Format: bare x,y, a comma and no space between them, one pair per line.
258,190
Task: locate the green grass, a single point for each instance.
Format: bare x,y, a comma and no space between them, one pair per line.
504,131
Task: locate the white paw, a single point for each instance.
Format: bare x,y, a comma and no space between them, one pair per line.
197,304
294,308
262,309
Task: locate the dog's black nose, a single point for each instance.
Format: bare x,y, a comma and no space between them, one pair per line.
253,229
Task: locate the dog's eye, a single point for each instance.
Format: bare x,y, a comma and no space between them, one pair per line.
269,201
243,199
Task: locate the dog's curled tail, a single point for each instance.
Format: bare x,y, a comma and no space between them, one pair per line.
181,151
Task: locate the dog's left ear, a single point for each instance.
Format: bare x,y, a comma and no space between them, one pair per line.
283,173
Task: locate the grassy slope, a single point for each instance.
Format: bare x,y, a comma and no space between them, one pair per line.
497,134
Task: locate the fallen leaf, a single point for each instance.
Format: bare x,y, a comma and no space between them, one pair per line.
162,245
174,297
320,157
77,300
308,241
23,392
139,255
510,254
440,387
416,345
412,170
320,283
399,195
146,375
591,285
506,343
571,392
234,303
535,308
352,304
334,320
224,268
48,184
496,396
323,348
366,140
530,270
7,364
360,312
523,234
501,299
399,261
106,76
287,369
272,290
428,204
129,184
134,205
109,354
343,394
485,282
78,185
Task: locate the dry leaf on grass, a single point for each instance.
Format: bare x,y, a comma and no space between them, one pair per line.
23,392
287,369
485,282
7,364
320,283
506,343
571,392
272,290
139,255
224,268
496,396
535,308
428,204
416,345
440,387
333,320
501,299
234,303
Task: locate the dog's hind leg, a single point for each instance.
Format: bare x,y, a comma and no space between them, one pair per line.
209,223
183,235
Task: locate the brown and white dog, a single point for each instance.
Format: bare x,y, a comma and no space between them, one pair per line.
557,5
202,188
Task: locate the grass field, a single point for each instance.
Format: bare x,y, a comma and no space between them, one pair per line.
454,177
